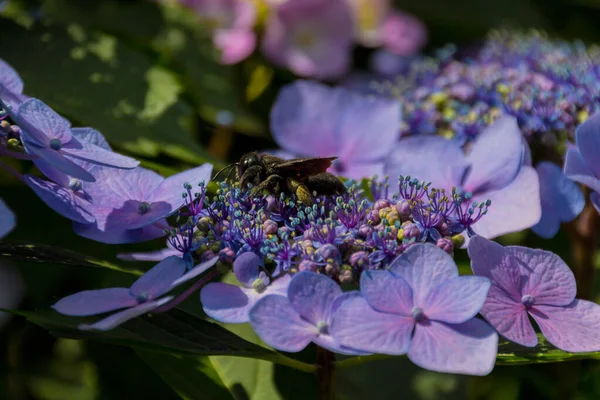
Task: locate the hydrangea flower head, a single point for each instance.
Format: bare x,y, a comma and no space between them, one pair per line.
561,198
423,308
144,295
291,322
7,219
582,162
230,303
129,203
11,86
47,135
536,283
492,170
310,119
313,38
231,23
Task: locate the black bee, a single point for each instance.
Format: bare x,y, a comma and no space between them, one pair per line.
300,176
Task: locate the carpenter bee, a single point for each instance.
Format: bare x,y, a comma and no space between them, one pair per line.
299,176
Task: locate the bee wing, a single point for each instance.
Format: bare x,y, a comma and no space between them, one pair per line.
303,166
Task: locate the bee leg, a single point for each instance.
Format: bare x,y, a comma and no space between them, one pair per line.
272,184
302,192
325,183
251,176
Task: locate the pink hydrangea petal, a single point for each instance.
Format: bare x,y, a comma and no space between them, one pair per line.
468,348
424,267
508,317
357,325
387,293
573,328
457,300
277,323
235,44
403,34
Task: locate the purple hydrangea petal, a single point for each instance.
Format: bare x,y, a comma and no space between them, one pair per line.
579,170
493,261
117,235
509,317
304,118
549,279
7,219
157,255
9,78
62,200
514,208
91,136
196,271
129,216
171,189
312,296
92,302
159,280
277,323
403,34
40,124
359,171
246,268
386,292
561,198
573,328
457,300
496,156
357,325
121,317
430,159
329,343
587,136
228,303
97,155
468,348
424,267
57,160
54,174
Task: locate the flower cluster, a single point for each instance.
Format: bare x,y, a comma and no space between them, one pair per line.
312,38
549,86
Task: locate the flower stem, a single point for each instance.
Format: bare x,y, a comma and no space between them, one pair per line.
179,299
325,374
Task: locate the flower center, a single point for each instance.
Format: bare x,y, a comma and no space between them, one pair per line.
55,144
323,328
418,314
142,297
527,300
259,285
144,207
74,184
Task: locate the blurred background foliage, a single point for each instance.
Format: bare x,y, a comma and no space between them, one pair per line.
146,76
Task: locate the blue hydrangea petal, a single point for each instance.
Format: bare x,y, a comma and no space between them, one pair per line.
561,198
357,325
228,303
196,271
587,137
312,296
62,200
386,293
514,208
57,160
469,348
92,302
171,189
424,267
430,159
579,170
457,300
277,323
159,280
548,278
40,124
117,235
496,156
121,317
329,343
246,268
52,173
97,155
509,317
157,255
574,328
8,219
9,78
91,136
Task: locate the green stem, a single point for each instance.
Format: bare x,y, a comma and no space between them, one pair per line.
325,374
358,360
277,358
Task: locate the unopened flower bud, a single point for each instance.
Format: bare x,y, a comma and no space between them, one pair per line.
329,252
365,231
270,227
360,259
445,244
307,265
381,203
226,255
403,208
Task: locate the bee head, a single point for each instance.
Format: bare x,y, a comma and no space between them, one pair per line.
247,161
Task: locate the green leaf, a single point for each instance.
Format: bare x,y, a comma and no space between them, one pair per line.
513,354
39,253
190,377
99,81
